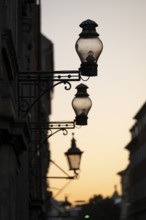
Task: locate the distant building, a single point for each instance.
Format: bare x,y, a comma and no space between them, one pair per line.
59,209
116,197
125,193
137,167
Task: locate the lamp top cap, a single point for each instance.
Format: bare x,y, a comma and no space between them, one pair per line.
82,91
89,29
88,22
80,86
73,150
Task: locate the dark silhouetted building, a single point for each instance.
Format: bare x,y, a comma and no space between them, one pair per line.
137,167
23,192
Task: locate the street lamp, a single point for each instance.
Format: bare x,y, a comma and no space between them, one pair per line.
81,104
74,156
89,48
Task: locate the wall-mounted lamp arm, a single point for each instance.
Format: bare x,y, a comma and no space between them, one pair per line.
42,81
53,125
61,177
67,176
50,126
60,75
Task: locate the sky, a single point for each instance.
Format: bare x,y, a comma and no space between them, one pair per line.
117,93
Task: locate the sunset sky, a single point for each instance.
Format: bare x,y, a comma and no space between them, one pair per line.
117,93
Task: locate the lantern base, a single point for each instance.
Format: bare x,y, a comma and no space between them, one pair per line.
88,69
81,120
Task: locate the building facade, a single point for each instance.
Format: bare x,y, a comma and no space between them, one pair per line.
23,159
137,164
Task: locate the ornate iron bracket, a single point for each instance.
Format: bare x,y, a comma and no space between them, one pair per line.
33,85
50,126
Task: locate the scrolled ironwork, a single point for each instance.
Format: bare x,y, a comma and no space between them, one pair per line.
23,105
65,132
69,86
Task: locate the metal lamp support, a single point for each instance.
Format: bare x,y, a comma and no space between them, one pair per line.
42,80
51,126
61,177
